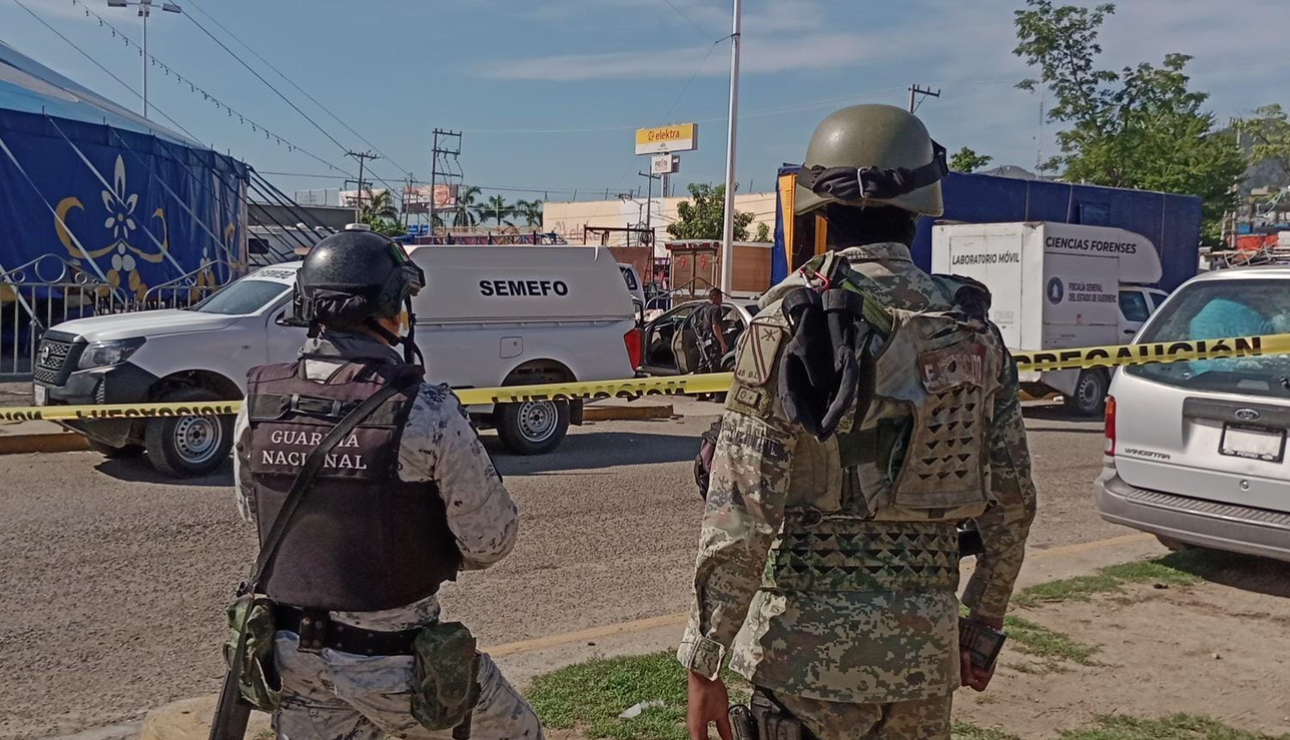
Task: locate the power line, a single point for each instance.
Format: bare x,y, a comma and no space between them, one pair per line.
219,104
278,92
697,70
690,20
291,82
105,70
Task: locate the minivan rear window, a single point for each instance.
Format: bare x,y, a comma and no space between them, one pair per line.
1215,310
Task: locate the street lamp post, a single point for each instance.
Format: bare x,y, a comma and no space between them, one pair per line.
145,10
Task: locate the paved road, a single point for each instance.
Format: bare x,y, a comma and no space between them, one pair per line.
114,580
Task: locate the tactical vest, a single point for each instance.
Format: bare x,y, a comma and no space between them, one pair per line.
363,540
918,450
873,507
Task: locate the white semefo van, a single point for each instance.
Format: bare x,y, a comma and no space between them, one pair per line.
1056,286
489,316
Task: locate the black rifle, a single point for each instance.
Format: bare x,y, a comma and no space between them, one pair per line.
233,711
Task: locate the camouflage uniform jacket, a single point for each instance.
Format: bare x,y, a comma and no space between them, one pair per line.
883,640
439,445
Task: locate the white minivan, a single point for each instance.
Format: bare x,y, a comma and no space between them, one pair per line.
488,317
1196,451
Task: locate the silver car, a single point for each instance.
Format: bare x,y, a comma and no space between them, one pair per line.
1196,451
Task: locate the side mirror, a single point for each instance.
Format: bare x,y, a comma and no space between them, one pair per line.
289,318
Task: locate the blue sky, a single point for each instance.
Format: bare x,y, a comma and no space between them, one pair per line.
548,93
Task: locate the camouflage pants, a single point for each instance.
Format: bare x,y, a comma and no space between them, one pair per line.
333,696
924,719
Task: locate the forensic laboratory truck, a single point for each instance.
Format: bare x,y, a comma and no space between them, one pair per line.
1057,286
488,317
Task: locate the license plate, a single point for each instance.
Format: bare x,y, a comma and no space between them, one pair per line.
42,395
1254,443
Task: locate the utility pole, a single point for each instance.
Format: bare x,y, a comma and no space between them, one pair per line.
649,204
362,158
145,11
926,92
728,228
446,144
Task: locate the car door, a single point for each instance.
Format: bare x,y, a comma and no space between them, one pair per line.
1135,309
284,335
660,356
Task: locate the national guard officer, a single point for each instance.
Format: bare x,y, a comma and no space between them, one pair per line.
398,507
874,408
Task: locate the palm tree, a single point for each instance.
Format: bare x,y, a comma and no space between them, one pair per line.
378,206
467,206
497,209
530,211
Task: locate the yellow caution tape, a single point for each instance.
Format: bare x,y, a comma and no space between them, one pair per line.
1062,359
1154,353
586,391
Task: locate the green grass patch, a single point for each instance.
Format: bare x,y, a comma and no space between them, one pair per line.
591,695
1185,568
965,731
1047,645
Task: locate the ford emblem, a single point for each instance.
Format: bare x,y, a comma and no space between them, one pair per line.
1247,414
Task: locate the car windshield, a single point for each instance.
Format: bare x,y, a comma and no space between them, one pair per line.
1216,310
242,297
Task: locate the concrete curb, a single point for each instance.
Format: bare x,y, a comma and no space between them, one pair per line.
626,413
23,444
522,661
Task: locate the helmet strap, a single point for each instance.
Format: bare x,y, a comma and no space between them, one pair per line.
411,352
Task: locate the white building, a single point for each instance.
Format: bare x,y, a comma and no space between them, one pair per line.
572,220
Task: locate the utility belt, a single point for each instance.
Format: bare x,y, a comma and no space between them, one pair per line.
766,719
445,659
317,631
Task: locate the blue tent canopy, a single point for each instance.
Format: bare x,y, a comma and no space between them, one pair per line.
116,196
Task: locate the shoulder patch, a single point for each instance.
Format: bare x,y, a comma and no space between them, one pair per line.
759,352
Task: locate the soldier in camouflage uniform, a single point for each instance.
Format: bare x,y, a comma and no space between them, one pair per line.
329,693
846,622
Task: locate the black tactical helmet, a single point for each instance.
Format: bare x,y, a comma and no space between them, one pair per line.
354,277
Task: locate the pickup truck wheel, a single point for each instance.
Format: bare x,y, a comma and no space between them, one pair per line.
189,446
533,427
114,453
1089,398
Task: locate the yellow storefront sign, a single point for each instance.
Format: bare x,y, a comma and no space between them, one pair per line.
681,137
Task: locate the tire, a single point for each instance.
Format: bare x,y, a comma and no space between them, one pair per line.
114,453
1089,398
189,446
533,427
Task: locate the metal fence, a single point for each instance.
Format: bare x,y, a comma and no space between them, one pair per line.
50,290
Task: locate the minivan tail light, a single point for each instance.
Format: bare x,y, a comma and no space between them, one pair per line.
635,348
1110,426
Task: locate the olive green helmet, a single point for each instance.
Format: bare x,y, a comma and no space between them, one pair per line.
897,162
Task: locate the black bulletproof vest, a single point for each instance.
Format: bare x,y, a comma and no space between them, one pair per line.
363,540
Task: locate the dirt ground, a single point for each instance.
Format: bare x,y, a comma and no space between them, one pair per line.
1219,649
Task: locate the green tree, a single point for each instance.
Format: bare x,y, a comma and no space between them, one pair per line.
1142,127
467,203
1268,133
380,212
530,211
494,209
967,160
763,233
702,217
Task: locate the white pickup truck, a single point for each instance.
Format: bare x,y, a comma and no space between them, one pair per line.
489,317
